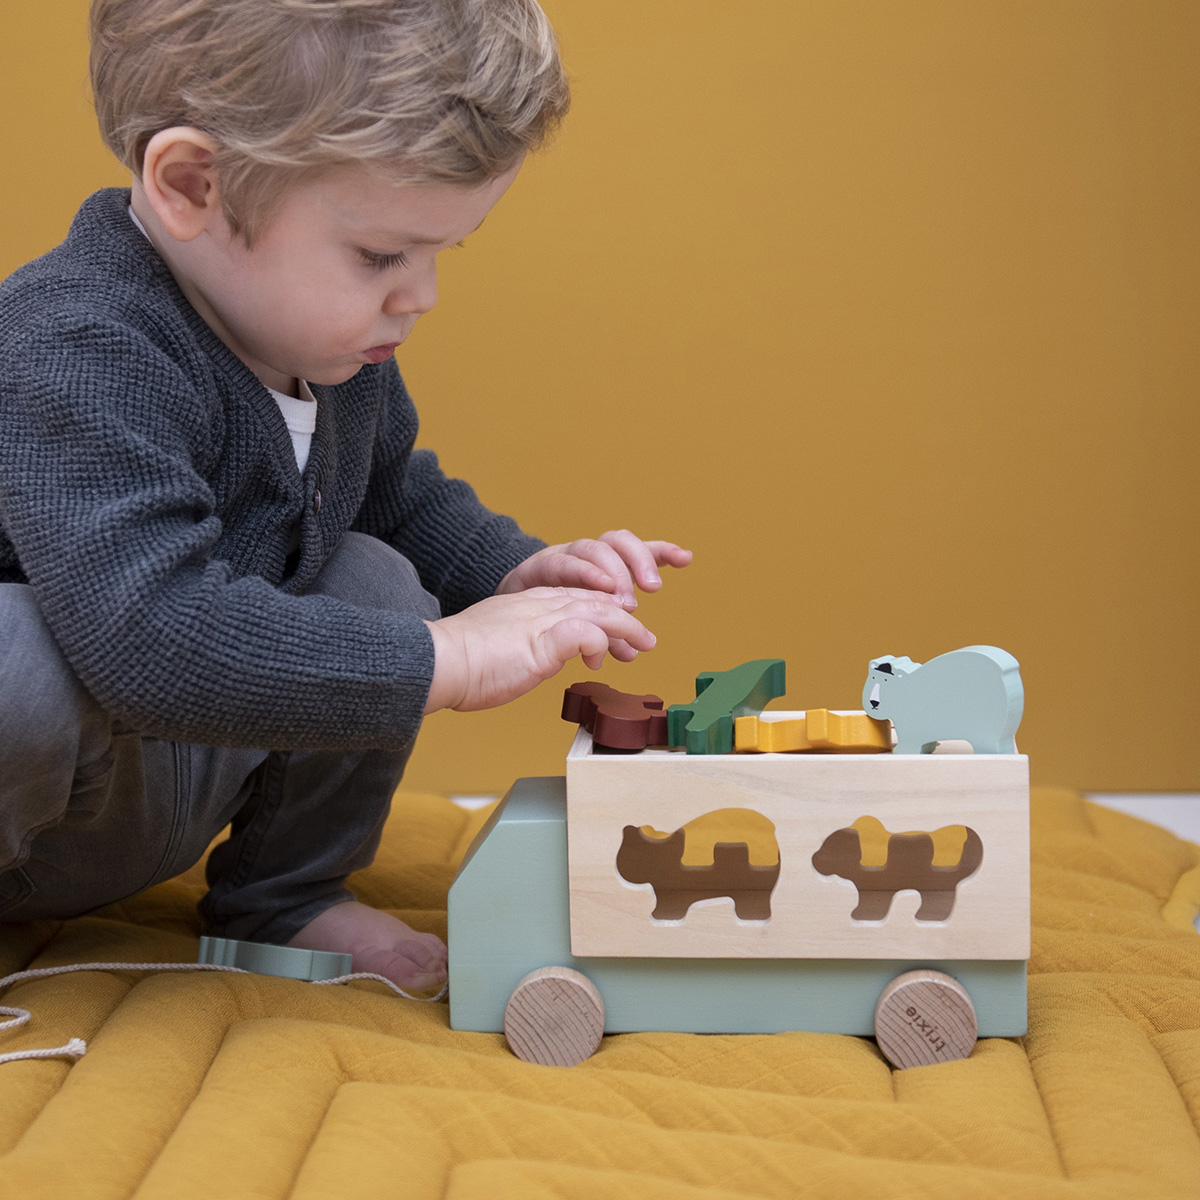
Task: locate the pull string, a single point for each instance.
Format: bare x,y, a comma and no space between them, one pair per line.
77,1047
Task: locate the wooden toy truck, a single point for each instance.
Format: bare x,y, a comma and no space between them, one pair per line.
575,911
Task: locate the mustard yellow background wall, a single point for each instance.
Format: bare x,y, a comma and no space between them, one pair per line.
888,310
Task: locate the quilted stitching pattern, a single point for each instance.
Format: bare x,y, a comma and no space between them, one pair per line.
244,1086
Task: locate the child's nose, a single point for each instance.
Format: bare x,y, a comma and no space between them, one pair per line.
417,293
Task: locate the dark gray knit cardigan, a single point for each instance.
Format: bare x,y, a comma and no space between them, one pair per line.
148,489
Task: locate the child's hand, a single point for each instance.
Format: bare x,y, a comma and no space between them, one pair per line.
505,646
612,563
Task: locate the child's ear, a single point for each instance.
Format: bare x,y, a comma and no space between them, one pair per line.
179,177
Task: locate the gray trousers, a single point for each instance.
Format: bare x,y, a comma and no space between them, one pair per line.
91,813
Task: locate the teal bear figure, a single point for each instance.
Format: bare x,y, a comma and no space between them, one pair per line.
973,695
706,725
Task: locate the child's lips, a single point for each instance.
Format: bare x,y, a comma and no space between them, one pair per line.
378,354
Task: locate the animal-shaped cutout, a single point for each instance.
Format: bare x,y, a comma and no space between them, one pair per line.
616,720
909,867
706,725
818,730
658,860
873,837
973,695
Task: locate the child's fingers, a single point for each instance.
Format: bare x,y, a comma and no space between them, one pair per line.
621,650
668,554
617,625
566,569
617,563
560,597
573,637
601,554
589,631
644,558
637,559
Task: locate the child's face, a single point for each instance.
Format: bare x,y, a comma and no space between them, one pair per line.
339,276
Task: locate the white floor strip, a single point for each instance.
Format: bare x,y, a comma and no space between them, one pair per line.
1177,811
472,801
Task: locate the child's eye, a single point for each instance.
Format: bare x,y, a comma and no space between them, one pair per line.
383,262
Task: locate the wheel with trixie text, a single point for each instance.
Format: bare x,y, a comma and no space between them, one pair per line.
925,1017
554,1017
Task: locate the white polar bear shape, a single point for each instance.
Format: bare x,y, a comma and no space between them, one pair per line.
973,695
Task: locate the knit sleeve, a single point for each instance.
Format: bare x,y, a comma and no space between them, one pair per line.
105,438
460,548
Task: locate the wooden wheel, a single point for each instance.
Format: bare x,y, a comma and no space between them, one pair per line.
925,1017
554,1017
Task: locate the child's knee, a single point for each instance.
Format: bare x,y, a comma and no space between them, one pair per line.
363,570
42,701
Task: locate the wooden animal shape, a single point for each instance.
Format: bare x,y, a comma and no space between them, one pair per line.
973,695
909,866
616,720
706,725
658,861
818,730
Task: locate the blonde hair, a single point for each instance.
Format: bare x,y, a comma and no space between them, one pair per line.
423,91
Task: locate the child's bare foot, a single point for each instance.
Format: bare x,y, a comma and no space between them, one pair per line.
380,944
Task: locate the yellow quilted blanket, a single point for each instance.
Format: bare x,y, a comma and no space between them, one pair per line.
245,1086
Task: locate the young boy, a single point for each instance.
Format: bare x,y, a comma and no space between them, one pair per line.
229,586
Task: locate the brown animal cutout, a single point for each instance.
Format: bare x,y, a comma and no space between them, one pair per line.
677,885
909,866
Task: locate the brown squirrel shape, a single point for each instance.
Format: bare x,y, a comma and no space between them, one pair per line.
659,862
909,866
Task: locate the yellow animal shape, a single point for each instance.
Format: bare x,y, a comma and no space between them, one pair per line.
818,730
729,853
910,862
725,825
873,836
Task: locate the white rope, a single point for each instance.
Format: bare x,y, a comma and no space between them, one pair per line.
394,986
77,1047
